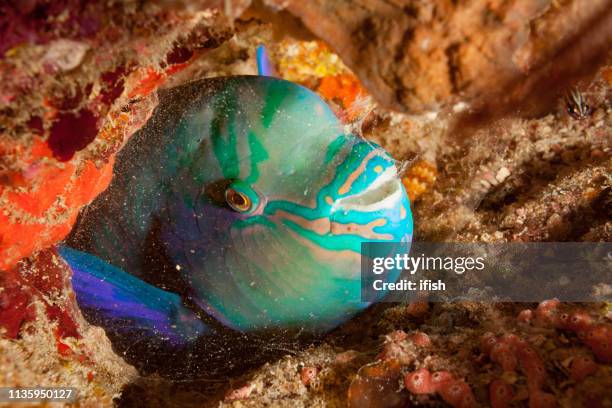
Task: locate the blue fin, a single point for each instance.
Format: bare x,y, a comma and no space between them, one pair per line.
125,304
264,66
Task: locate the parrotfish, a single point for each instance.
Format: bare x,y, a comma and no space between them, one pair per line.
249,193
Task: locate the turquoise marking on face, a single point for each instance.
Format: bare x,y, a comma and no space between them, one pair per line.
223,135
335,147
258,155
261,198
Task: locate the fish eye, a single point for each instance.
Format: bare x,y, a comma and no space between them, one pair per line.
237,201
241,197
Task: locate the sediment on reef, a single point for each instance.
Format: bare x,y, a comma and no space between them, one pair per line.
539,174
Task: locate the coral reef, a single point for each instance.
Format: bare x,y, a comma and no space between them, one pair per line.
476,355
104,91
80,77
418,56
56,346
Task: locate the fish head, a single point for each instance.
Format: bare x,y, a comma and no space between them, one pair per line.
270,204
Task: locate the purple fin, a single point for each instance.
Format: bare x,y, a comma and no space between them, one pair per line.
128,306
264,66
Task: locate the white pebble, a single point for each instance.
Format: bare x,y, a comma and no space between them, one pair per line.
502,174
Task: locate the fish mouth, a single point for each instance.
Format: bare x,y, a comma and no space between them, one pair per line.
384,192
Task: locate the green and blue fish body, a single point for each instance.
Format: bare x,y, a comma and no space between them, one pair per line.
251,194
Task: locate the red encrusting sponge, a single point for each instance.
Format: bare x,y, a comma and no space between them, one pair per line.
457,393
500,394
582,367
596,335
419,382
